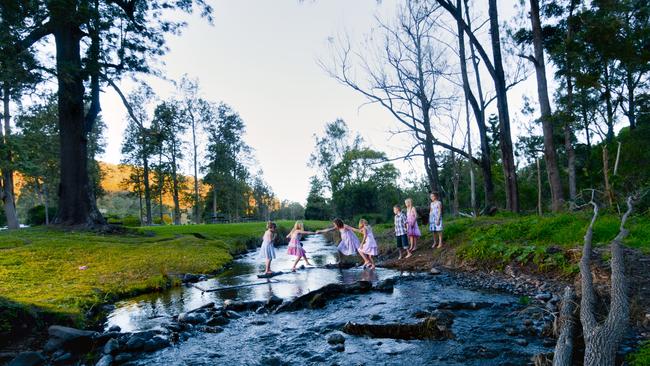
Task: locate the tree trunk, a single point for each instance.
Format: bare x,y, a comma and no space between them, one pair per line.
472,180
602,339
7,184
46,193
568,129
539,188
550,156
430,165
566,325
608,104
177,208
631,102
197,216
76,197
478,109
147,189
608,188
214,202
505,136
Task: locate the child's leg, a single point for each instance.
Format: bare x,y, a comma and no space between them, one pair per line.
306,260
372,262
268,266
415,243
295,263
440,238
363,255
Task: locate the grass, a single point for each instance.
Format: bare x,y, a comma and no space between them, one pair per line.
40,268
541,242
640,357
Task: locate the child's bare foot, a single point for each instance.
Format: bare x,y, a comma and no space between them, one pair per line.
400,257
293,269
409,255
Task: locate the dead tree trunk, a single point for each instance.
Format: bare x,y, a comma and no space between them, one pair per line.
565,326
602,340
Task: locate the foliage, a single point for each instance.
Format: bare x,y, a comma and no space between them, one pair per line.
641,356
36,215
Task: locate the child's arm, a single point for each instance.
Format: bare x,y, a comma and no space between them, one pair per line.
353,229
326,230
290,233
306,232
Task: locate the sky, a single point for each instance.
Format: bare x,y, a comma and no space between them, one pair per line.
260,57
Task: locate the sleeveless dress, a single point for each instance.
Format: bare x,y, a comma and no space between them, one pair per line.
349,242
294,247
412,224
370,245
436,214
267,251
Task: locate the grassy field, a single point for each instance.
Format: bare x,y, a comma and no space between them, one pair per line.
61,274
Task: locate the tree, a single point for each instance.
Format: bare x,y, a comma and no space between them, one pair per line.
317,207
537,59
121,36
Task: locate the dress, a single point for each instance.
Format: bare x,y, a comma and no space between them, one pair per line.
267,251
370,245
349,242
295,248
412,223
435,217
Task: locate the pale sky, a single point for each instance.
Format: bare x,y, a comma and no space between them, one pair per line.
260,58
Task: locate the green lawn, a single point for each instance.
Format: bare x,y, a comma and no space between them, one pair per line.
40,268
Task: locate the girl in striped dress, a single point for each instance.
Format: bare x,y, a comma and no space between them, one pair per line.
268,251
295,247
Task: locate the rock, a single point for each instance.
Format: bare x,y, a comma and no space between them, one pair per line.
115,328
208,329
543,297
106,360
421,314
274,301
511,331
101,338
192,318
190,278
70,339
258,322
430,328
387,285
111,347
375,317
174,327
242,305
218,320
62,358
135,343
123,357
338,348
521,341
335,338
271,361
434,271
156,343
232,314
262,310
317,359
318,298
28,359
457,305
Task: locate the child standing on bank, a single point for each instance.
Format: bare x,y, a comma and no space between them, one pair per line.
435,219
412,229
294,247
369,246
401,239
268,251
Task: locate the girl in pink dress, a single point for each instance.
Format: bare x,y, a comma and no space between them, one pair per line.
369,246
349,244
412,229
295,248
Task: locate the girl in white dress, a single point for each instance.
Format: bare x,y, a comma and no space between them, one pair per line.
267,251
435,220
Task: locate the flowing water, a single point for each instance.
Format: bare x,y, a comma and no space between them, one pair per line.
481,336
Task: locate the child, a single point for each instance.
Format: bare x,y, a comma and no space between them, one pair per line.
295,248
268,251
435,220
369,247
400,230
412,231
349,244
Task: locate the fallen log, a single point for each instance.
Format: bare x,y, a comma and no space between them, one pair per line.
565,326
431,328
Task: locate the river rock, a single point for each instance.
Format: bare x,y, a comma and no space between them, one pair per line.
338,348
336,338
62,358
434,271
271,361
123,357
111,347
387,285
375,317
106,360
28,359
232,314
70,339
115,328
218,320
543,297
190,278
101,338
242,305
192,318
156,343
429,328
210,329
274,301
458,305
521,341
135,343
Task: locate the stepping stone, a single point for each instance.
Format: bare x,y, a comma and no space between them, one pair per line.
269,275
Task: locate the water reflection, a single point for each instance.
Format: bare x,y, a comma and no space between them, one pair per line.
149,311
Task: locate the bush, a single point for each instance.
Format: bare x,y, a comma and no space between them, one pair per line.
36,215
372,218
131,221
641,356
166,220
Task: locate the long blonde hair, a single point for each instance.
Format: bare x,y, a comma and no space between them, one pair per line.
298,226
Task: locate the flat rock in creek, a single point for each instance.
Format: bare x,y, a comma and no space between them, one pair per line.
318,298
269,275
28,359
431,328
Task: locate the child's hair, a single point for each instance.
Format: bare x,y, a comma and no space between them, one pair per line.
398,207
338,223
408,202
270,225
298,226
363,222
435,194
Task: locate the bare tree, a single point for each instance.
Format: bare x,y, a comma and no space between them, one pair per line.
602,339
7,179
406,78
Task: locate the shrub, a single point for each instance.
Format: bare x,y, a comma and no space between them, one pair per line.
131,221
36,215
166,220
372,218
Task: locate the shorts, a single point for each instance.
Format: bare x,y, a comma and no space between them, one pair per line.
402,241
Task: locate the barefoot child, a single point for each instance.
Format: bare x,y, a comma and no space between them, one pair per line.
412,229
268,251
435,220
349,244
369,246
295,248
400,231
